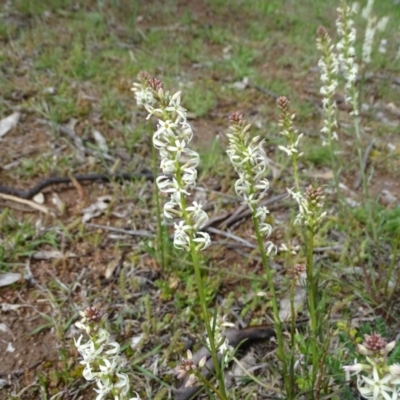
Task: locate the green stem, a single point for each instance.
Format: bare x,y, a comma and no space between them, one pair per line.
275,310
292,333
311,286
209,385
371,218
391,270
296,172
161,231
200,288
214,352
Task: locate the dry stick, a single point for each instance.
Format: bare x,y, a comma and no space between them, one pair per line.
20,372
29,203
230,236
265,91
52,180
357,183
235,216
140,232
244,212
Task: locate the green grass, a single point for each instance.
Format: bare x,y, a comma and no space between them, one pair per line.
21,239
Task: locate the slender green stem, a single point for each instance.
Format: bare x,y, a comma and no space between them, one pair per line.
161,231
214,352
295,172
292,332
275,310
311,286
391,269
364,181
200,288
210,385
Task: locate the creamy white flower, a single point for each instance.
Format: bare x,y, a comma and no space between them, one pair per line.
156,112
122,384
357,368
178,161
394,369
109,366
178,148
181,237
346,55
202,240
366,11
376,387
382,46
171,210
270,249
175,108
189,177
102,364
261,213
168,166
186,131
382,23
182,241
249,160
226,351
166,128
369,39
143,96
265,229
329,68
181,228
289,150
104,388
197,214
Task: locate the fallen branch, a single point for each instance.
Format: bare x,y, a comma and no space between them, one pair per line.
29,203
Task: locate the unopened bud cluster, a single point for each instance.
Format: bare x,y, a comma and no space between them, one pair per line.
287,130
299,274
178,162
310,207
187,368
376,379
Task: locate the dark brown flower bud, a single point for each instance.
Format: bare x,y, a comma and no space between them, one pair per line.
155,84
144,76
92,314
297,271
374,342
314,195
321,31
236,118
283,103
